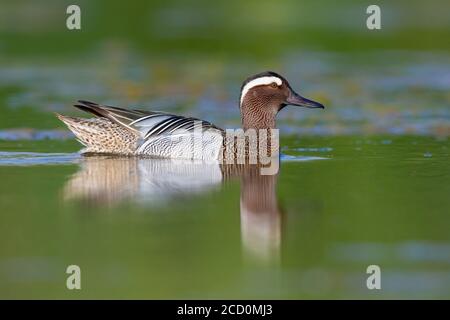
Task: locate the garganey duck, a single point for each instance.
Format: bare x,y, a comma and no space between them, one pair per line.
158,134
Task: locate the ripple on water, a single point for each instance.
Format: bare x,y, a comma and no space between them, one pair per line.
36,158
292,158
322,149
33,134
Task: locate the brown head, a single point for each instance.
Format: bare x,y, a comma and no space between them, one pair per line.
263,95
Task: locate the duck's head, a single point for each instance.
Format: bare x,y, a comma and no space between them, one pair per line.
263,95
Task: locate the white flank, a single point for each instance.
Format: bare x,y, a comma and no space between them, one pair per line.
259,82
186,144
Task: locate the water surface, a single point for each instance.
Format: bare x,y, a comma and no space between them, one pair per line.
163,229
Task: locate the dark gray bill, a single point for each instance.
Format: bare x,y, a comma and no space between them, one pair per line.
297,100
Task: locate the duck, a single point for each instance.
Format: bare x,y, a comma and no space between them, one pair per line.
136,132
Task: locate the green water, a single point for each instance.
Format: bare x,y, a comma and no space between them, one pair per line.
370,201
363,182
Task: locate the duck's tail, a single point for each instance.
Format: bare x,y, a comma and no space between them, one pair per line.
100,135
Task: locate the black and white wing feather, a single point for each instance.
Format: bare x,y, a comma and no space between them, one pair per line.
160,124
147,123
159,131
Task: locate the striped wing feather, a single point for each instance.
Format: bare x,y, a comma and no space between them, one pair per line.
146,123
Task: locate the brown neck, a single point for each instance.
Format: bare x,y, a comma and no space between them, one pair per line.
258,115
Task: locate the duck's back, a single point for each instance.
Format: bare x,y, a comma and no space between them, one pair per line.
100,135
136,132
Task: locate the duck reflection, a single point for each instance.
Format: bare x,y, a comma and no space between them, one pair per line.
261,217
105,180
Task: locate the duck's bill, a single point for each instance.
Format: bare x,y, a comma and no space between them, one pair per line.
297,100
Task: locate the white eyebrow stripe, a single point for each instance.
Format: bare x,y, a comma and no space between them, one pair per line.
259,82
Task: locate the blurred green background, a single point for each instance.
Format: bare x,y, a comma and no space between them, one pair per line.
380,195
225,28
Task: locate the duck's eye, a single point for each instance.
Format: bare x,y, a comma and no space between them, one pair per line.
274,85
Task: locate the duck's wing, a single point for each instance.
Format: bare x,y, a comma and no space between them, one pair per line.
147,123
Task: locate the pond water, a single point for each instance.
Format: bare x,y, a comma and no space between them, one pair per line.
167,229
364,182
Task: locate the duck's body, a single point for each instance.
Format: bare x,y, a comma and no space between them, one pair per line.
135,132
